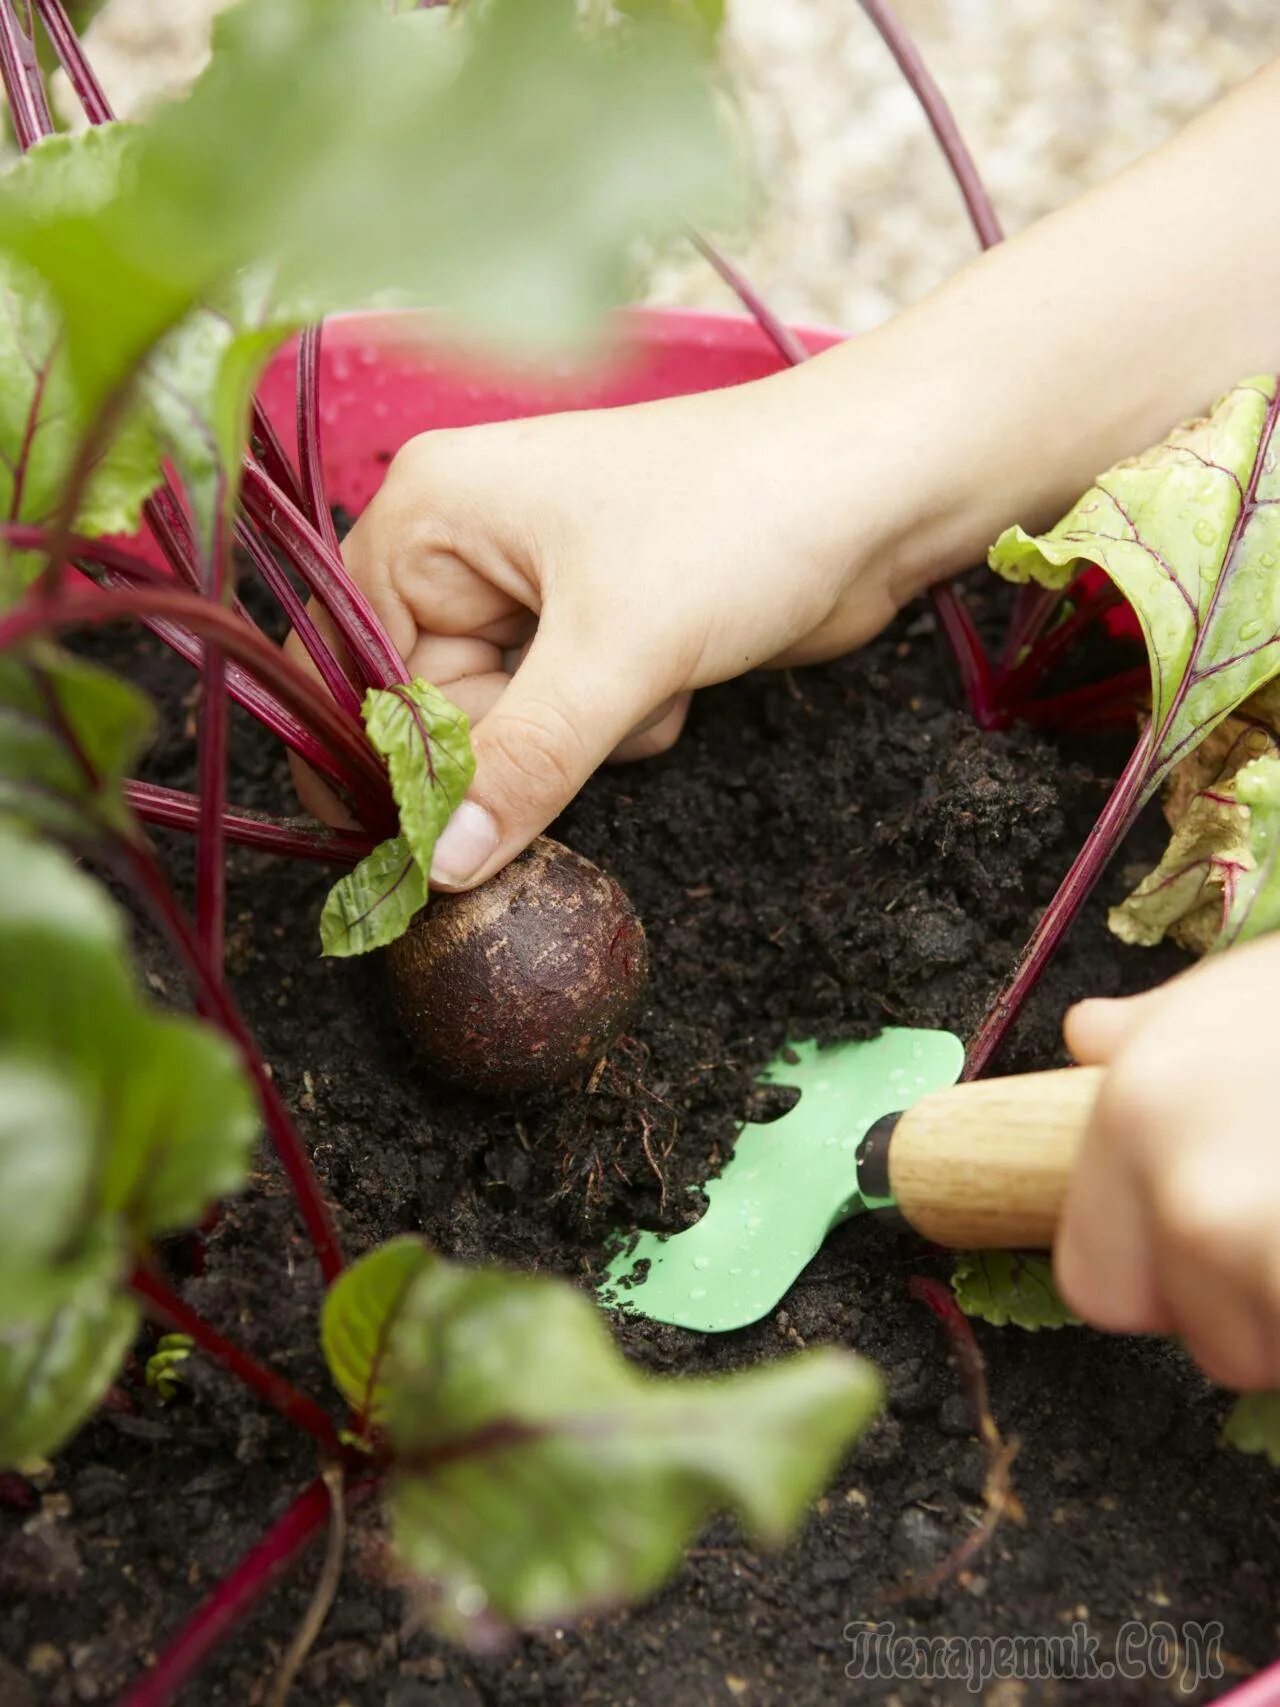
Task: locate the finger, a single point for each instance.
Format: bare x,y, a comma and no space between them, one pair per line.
1096,1030
567,707
1104,1253
657,734
1213,1254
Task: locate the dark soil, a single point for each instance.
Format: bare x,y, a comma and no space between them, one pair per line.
824,853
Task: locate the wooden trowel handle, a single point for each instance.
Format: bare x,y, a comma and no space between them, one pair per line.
986,1164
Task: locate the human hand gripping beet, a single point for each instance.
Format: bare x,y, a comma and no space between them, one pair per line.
570,581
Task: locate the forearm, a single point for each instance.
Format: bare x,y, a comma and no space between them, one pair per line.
1002,395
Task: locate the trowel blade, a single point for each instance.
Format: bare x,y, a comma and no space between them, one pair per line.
785,1186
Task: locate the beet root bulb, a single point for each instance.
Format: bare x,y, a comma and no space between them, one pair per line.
520,984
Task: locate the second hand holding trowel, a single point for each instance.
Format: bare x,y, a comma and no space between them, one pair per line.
879,1126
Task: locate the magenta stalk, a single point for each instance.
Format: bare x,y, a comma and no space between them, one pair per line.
941,120
216,1003
310,461
238,1594
22,81
783,338
211,621
211,762
291,838
301,621
164,1305
284,526
967,650
71,57
1116,819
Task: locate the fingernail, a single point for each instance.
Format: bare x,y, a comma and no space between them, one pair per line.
466,842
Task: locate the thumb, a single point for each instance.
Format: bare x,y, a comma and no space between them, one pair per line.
556,722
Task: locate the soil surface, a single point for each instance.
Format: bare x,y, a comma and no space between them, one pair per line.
825,852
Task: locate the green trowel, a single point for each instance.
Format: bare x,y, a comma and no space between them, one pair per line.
879,1126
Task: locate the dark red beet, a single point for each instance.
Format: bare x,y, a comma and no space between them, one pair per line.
524,982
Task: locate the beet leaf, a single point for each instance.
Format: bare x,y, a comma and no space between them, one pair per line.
1254,908
534,1472
425,740
1189,892
1009,1288
43,417
514,165
1190,533
154,1122
69,734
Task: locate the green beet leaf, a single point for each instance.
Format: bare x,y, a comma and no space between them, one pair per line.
198,387
360,1310
44,414
1253,907
47,1153
46,694
1253,1425
501,168
55,1369
537,1474
426,742
1190,533
173,1117
1009,1288
372,905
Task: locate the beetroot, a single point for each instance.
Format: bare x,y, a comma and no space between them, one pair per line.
518,985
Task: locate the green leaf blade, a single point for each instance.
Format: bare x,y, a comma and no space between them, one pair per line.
372,905
55,1370
1190,533
426,741
538,1474
360,1311
53,707
1010,1288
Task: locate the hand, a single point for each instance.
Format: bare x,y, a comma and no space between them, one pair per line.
1172,1222
569,580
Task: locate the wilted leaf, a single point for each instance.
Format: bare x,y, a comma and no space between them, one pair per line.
55,1370
1253,908
360,1310
1003,1287
372,905
1253,1425
1190,533
46,695
1187,894
538,1474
